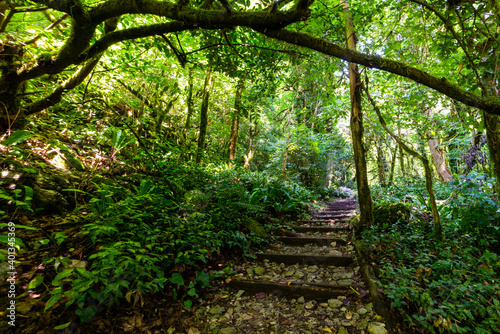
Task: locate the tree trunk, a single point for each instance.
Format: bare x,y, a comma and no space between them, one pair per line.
190,107
492,123
380,161
364,196
251,134
439,159
401,157
204,115
235,124
393,165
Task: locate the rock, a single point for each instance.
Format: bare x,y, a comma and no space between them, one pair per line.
362,323
362,311
301,300
325,305
259,271
216,309
345,282
289,273
227,330
342,330
240,292
298,275
369,307
193,330
376,328
310,305
4,269
335,303
249,272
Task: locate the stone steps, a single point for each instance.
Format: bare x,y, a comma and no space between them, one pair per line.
305,282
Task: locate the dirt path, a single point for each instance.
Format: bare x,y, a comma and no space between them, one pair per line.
308,282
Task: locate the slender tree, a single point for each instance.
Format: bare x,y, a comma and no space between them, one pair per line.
364,196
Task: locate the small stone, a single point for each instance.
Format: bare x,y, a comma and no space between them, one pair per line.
240,292
313,268
298,275
249,271
257,307
335,303
310,305
217,309
342,330
193,330
362,311
346,323
301,300
289,273
369,307
345,282
227,330
324,305
376,328
259,271
362,324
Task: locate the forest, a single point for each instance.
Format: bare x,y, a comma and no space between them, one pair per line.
249,166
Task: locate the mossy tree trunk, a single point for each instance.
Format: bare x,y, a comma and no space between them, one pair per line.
204,115
364,196
235,123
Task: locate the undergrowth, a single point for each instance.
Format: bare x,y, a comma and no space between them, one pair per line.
450,286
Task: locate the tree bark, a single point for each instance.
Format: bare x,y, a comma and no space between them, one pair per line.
190,106
364,196
381,163
439,159
204,115
235,123
393,165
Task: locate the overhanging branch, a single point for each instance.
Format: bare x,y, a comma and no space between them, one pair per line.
490,105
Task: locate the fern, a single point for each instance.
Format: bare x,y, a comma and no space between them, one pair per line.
255,227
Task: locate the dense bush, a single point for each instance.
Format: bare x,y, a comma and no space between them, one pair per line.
143,235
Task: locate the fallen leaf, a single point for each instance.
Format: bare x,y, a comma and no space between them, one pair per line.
260,295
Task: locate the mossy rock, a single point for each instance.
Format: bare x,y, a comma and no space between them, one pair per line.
389,214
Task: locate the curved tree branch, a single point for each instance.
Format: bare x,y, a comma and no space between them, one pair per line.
488,104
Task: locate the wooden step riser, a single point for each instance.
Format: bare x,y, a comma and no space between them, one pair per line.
307,259
331,217
344,208
319,293
300,241
323,229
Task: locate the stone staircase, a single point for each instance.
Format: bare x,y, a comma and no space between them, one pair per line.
316,263
307,282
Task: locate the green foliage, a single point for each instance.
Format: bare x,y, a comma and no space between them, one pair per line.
474,208
449,286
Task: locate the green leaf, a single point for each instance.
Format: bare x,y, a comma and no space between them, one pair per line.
63,326
62,274
177,279
54,299
86,313
18,137
188,304
35,282
20,226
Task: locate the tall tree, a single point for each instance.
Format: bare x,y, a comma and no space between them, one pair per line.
235,122
364,196
204,114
